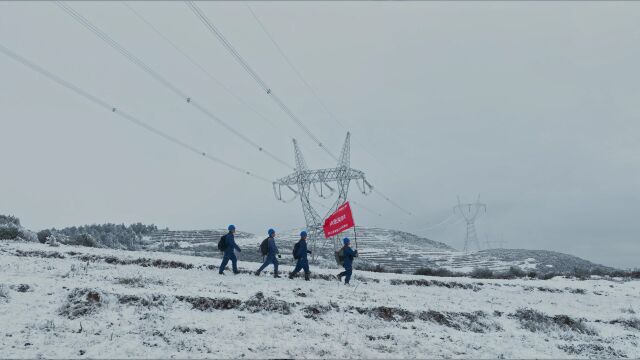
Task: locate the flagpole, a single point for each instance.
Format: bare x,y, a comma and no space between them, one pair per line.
355,237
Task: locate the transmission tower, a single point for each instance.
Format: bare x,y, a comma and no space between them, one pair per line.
325,183
470,212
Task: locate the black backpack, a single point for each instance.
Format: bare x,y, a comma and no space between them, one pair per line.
222,243
340,256
264,247
295,250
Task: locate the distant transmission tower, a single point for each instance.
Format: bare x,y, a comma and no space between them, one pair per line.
470,212
304,179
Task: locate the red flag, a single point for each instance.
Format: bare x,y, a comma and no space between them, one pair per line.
339,221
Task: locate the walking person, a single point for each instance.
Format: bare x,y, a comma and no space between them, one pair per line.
348,256
300,254
272,252
228,245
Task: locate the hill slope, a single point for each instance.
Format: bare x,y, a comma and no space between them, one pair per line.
395,250
70,302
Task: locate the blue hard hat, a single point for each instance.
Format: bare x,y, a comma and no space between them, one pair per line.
346,241
303,234
271,232
231,227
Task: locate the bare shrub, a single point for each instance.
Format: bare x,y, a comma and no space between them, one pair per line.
9,220
81,302
42,254
186,330
83,240
581,273
516,272
314,311
392,314
4,293
259,302
43,235
446,284
592,350
549,290
144,262
387,313
536,321
208,304
632,323
135,281
28,235
21,288
465,321
442,272
154,300
547,276
9,232
482,273
376,338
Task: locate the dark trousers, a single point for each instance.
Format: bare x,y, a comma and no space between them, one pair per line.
270,260
347,274
225,260
301,264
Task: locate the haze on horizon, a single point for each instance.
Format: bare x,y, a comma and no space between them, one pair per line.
532,105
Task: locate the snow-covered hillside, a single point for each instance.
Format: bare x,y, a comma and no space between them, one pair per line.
69,302
393,249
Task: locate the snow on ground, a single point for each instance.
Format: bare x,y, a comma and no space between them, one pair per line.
392,249
70,302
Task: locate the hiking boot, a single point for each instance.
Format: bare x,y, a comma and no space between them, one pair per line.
236,272
306,277
220,273
276,275
257,273
339,276
291,275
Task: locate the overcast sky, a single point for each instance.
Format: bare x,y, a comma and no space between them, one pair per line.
534,106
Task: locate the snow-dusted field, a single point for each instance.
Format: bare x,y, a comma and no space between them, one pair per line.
393,249
70,302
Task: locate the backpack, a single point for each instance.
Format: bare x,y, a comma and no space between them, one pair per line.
264,247
222,243
340,256
296,247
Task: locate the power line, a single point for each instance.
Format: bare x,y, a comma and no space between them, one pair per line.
261,83
433,226
295,70
205,20
94,99
392,202
317,97
107,39
364,207
198,65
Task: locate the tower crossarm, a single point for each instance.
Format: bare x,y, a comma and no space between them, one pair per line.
321,176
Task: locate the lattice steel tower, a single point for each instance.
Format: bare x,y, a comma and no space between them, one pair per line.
470,212
304,179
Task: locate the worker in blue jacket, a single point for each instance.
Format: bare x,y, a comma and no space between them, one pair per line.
349,254
300,253
271,255
229,254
